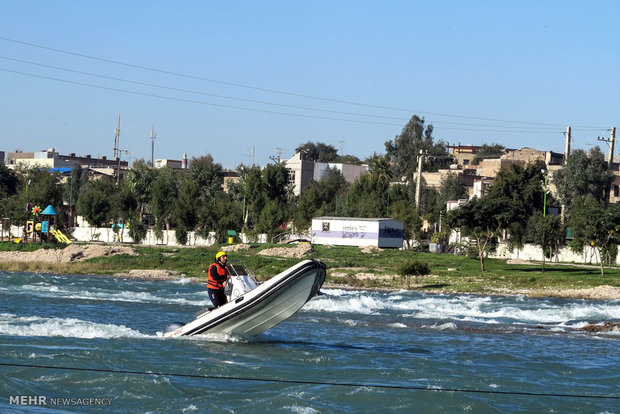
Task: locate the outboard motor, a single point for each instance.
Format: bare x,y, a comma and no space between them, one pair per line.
173,327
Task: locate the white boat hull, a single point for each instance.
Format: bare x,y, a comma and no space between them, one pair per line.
263,307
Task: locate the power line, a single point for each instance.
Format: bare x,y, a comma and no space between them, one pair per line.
195,92
513,128
82,55
195,101
307,382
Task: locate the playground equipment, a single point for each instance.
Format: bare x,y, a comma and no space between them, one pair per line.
42,227
58,235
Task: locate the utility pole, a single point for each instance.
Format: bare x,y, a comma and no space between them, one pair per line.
611,142
418,181
153,136
117,135
567,147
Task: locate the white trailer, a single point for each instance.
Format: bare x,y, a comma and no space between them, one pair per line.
353,231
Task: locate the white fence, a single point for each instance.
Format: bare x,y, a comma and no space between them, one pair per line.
534,253
529,252
107,235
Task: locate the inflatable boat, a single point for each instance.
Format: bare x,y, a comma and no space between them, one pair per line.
253,308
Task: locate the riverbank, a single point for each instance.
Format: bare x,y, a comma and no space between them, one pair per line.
348,268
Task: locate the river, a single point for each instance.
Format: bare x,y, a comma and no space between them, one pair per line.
86,344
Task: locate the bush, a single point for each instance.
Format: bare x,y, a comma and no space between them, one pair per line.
180,233
413,268
137,231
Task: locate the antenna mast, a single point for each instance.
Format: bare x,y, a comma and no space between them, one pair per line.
252,155
153,136
277,159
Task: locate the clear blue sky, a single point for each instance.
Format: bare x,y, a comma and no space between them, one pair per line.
346,73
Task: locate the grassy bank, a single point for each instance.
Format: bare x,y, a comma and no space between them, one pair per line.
347,266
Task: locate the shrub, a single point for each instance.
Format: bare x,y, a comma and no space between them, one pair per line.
413,268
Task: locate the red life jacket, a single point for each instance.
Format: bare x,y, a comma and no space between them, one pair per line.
221,271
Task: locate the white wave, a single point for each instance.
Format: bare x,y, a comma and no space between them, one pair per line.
442,326
74,328
483,309
300,410
339,292
46,290
364,304
397,325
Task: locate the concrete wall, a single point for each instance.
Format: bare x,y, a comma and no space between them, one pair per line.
533,252
107,235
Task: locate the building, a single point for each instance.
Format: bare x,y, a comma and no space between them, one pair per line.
230,178
464,154
52,159
174,164
302,171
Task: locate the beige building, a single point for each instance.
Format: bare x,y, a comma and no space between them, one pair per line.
52,159
174,164
464,154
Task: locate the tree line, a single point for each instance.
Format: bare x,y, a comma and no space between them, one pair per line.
262,201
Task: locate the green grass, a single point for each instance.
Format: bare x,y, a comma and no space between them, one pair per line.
449,273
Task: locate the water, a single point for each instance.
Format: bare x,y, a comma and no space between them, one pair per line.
420,345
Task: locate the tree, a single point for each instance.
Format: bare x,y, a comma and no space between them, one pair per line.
406,212
95,201
185,211
367,197
583,175
320,198
252,181
480,219
548,232
44,188
596,224
405,148
227,214
77,180
521,188
413,268
451,187
348,159
208,176
8,182
380,169
271,217
270,185
142,178
318,152
163,194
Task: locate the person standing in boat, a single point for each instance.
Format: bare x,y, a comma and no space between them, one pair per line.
217,278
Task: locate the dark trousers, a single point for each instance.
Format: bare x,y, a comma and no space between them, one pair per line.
217,296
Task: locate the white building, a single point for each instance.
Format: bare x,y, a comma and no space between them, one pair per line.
302,171
353,231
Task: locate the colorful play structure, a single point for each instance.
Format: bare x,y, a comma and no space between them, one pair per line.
41,225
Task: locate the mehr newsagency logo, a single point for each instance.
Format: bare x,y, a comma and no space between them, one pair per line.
42,400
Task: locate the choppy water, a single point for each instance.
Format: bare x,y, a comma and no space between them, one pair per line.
393,352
